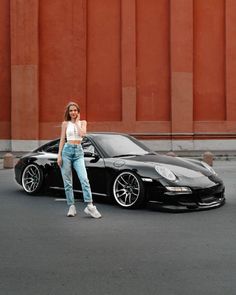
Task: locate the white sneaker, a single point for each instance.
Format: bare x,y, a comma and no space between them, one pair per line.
92,211
72,211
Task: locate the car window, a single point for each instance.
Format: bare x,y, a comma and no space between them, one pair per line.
115,145
52,148
88,148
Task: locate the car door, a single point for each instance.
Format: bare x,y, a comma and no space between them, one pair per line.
54,171
95,168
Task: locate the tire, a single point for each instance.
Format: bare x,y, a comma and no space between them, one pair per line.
128,190
32,179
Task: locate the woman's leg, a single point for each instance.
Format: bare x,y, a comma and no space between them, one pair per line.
66,171
80,169
79,166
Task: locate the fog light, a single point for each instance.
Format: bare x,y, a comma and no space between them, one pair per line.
147,179
179,189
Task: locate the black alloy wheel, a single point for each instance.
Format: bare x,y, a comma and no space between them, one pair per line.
128,190
32,179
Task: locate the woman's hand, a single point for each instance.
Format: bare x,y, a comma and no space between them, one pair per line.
78,118
59,160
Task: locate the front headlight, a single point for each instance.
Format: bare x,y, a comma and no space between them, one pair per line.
208,167
165,172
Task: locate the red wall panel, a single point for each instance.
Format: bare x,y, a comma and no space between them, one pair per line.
5,70
230,59
181,66
153,60
209,60
146,67
62,57
103,61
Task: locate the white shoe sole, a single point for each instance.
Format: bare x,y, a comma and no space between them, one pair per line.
71,215
90,214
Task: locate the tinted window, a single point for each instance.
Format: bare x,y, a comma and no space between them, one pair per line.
115,145
52,148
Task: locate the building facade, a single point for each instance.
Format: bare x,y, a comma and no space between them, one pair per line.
162,70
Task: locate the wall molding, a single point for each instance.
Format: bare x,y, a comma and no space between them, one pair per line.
163,145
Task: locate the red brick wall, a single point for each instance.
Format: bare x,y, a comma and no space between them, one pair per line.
5,71
158,68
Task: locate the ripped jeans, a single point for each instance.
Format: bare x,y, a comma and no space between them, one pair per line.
73,156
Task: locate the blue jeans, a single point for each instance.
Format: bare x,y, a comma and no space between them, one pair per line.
73,156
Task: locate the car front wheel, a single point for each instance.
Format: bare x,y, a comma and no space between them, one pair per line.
128,190
32,179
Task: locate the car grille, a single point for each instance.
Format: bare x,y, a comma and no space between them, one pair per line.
203,197
200,198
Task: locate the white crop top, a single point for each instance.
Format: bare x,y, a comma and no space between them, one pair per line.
72,131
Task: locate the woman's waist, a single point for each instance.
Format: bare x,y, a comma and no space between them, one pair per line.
73,142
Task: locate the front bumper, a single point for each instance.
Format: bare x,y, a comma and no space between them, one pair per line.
199,199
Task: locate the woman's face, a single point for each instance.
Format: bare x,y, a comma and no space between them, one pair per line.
73,112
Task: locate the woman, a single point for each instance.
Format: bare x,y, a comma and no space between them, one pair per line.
71,155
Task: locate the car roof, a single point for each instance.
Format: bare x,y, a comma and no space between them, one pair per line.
95,134
107,133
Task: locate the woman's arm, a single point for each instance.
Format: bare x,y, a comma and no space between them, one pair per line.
83,128
62,142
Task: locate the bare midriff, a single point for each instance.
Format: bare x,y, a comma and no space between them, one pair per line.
74,141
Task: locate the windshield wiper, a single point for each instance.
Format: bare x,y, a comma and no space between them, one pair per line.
126,155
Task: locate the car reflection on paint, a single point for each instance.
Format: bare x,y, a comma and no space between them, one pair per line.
122,168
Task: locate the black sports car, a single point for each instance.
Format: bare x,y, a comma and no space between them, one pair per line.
121,167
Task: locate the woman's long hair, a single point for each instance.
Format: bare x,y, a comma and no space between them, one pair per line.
67,114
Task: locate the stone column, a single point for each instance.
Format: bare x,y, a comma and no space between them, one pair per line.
230,60
128,63
182,72
24,74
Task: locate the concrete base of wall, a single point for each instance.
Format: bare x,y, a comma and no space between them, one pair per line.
19,145
180,146
191,145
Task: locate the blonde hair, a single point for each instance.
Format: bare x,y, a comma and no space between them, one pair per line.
67,114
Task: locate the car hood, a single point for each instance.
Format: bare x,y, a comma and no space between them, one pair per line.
180,166
189,172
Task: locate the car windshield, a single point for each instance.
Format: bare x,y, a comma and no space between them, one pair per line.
121,145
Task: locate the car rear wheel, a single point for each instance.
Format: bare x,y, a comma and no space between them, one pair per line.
128,190
32,179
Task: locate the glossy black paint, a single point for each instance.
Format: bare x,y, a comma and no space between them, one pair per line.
104,165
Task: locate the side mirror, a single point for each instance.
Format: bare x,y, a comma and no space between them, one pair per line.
91,155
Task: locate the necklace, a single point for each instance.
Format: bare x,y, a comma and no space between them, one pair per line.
75,129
